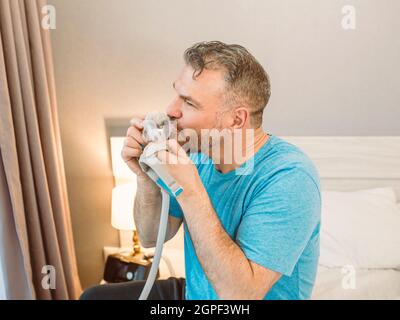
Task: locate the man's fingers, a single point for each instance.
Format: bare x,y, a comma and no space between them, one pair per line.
135,134
128,153
167,157
137,121
132,143
171,158
175,148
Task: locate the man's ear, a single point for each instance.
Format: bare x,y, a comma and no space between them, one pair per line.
240,117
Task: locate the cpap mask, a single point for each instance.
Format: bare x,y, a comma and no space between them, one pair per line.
157,129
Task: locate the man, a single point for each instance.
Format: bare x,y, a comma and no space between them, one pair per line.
249,233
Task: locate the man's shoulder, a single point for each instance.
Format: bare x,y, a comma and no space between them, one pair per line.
282,158
285,152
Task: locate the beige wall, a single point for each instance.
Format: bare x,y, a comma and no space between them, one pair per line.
115,58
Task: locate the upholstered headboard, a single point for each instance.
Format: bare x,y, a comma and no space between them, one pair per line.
351,163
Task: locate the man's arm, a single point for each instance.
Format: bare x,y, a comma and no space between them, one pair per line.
232,275
147,211
148,197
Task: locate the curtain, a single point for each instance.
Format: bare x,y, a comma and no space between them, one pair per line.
34,203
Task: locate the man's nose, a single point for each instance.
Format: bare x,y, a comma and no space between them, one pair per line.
174,109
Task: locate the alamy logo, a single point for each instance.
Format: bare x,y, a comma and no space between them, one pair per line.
49,280
349,17
49,19
349,278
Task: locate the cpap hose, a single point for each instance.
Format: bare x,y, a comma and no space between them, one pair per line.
162,230
157,127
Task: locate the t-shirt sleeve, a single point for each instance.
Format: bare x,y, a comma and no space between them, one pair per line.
175,209
280,220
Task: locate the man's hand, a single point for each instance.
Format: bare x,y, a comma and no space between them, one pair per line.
133,143
181,168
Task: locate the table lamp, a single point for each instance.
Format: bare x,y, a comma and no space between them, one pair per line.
126,265
123,197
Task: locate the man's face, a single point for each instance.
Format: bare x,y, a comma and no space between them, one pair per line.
198,101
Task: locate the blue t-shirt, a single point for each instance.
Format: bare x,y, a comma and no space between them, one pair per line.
270,206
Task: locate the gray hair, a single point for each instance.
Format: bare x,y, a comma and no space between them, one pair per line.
247,81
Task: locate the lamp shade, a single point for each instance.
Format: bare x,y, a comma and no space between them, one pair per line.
120,170
123,197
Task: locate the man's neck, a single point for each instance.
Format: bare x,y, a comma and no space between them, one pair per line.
249,148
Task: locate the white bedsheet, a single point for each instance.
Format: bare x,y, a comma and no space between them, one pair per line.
369,284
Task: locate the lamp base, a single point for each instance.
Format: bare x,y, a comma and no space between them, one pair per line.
130,257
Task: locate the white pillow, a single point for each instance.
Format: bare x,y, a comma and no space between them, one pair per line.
360,228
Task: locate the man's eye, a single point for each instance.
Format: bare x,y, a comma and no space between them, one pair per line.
189,103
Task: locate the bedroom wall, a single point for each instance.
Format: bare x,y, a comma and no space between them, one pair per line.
115,58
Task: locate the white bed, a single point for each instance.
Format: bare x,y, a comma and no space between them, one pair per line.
356,163
370,284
